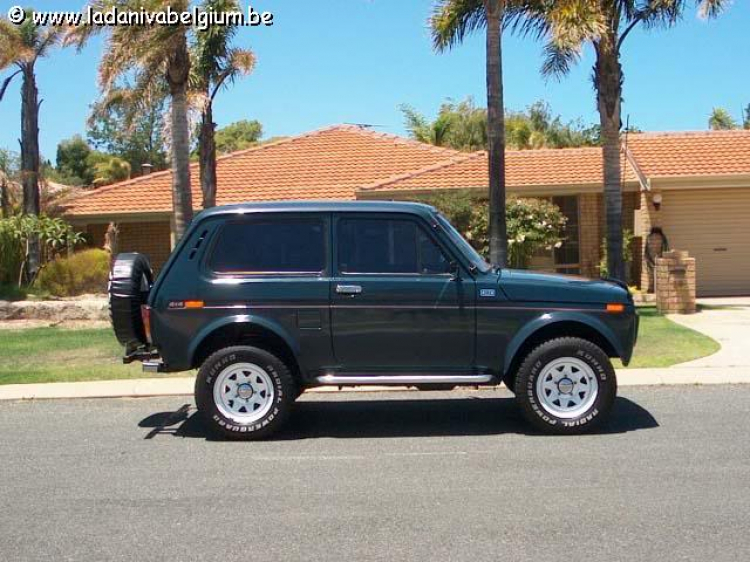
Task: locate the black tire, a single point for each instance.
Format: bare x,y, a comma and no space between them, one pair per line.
278,407
510,383
541,411
130,281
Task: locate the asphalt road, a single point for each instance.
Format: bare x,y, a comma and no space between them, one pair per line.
397,476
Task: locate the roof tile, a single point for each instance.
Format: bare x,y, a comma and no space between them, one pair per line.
330,163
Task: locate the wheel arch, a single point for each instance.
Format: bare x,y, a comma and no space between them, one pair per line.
550,327
244,330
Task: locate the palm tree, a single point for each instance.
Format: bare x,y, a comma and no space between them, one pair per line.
451,22
605,24
721,120
215,64
153,55
421,129
21,46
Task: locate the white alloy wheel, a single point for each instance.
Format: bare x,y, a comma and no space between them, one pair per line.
243,393
567,387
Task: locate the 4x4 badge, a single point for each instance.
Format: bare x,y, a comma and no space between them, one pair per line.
487,293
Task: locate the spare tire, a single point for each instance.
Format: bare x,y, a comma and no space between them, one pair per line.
130,281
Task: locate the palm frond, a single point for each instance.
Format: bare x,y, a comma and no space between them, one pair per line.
453,20
6,83
712,8
558,60
13,47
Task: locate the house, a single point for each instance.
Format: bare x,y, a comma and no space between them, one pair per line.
695,187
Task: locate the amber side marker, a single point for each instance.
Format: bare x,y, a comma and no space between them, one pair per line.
194,304
615,307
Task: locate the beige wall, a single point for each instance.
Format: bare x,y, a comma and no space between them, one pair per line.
150,238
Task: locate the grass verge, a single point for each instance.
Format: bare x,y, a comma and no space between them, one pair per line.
39,355
62,355
663,343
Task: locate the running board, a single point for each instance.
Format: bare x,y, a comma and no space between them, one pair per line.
404,379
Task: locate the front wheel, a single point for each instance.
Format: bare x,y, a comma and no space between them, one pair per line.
566,386
244,392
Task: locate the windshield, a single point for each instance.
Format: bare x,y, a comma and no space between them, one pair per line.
475,257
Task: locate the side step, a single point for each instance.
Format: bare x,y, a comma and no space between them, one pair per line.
403,379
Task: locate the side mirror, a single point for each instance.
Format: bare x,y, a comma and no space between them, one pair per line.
454,271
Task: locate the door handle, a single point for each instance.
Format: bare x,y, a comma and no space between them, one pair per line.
349,289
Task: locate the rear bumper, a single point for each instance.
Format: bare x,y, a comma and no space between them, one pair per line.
153,367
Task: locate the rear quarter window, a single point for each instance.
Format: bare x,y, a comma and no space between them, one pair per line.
258,246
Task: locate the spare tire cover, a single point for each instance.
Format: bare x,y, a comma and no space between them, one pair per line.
130,281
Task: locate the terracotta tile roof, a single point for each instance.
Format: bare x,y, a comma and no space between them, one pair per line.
326,164
524,169
706,153
341,161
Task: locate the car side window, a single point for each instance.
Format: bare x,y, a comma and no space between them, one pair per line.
387,246
270,246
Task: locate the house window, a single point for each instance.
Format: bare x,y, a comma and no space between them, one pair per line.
568,256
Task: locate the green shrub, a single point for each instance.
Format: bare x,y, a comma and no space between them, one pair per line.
81,273
55,237
11,254
532,224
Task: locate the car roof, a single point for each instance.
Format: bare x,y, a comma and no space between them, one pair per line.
321,206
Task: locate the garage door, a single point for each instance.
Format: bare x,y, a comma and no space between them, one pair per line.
714,226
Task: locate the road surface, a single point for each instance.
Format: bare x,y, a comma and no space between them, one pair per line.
379,476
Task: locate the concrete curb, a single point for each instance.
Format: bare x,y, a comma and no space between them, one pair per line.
183,386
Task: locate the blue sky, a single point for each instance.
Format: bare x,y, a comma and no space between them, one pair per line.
356,61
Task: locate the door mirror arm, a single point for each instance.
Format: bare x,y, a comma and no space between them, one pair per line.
454,271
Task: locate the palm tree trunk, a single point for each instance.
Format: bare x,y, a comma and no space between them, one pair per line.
496,133
30,160
207,157
608,82
182,197
4,196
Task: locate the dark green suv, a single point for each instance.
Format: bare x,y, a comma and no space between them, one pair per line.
267,300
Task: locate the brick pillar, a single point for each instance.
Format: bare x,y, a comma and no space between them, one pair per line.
675,283
589,233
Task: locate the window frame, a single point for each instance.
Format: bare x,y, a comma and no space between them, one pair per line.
322,218
559,266
427,229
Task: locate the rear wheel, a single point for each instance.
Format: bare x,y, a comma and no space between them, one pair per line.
566,386
244,392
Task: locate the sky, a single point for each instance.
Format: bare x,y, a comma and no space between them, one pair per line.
356,61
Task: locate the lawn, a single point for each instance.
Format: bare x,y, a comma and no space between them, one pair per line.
62,355
663,343
66,355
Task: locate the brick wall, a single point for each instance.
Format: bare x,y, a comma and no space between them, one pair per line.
590,232
593,226
150,238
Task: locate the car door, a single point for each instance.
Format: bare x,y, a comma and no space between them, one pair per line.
398,301
272,270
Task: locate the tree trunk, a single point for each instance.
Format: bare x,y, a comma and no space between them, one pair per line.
496,134
30,161
608,82
182,198
4,197
207,151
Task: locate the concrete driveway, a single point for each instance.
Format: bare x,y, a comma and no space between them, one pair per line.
727,320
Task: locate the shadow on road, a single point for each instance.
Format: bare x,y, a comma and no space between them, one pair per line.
397,418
